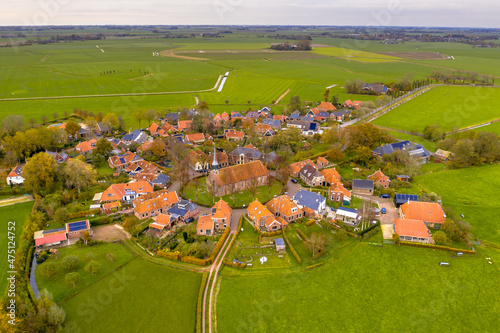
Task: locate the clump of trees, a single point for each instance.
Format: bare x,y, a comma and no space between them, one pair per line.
299,45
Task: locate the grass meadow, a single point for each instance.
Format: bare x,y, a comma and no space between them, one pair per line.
17,213
140,297
450,107
365,288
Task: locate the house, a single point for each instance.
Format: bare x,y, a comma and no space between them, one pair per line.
163,222
311,176
326,106
300,124
331,176
102,129
126,192
161,180
242,155
361,186
57,126
295,116
338,193
312,113
430,212
414,150
15,176
263,219
280,244
270,158
264,130
312,200
122,161
218,219
285,208
280,117
322,162
322,116
62,236
195,138
184,209
238,178
221,158
307,118
442,156
412,230
347,215
232,134
157,131
172,117
141,167
136,136
379,179
352,104
58,157
146,146
375,88
274,123
153,129
111,207
236,115
78,229
254,115
297,166
159,204
86,147
224,117
184,125
403,178
400,199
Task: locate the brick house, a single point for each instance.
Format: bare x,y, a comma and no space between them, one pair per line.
380,179
218,219
155,206
238,178
311,176
430,212
263,219
338,193
285,208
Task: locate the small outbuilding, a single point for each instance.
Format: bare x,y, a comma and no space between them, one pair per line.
280,244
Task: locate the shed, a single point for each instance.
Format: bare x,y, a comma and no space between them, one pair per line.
97,197
362,186
280,244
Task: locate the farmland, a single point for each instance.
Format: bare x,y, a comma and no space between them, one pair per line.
450,107
140,297
372,285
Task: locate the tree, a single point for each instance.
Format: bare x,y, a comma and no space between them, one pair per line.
203,105
79,174
70,263
335,153
72,278
363,156
181,171
86,237
150,115
72,128
40,173
129,224
102,147
44,119
326,95
282,171
92,267
292,137
61,215
452,230
138,116
97,160
13,123
434,132
294,104
32,122
440,238
465,154
158,148
48,269
99,116
316,244
55,115
91,124
252,188
111,120
395,238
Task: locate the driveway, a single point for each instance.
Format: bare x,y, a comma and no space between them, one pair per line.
109,233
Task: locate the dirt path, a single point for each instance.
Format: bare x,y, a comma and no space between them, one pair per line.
171,54
282,96
44,58
13,201
140,77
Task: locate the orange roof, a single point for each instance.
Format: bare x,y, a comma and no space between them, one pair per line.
412,228
221,157
326,106
240,172
348,102
258,210
117,191
123,158
164,219
86,146
297,166
378,175
148,196
339,188
205,222
284,205
331,175
145,146
184,124
322,160
142,166
235,135
263,128
197,137
153,128
280,117
357,104
17,171
222,210
428,211
315,111
251,146
162,201
275,219
111,205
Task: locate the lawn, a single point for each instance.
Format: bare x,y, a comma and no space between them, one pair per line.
472,192
450,107
356,55
243,198
364,288
56,284
140,297
15,213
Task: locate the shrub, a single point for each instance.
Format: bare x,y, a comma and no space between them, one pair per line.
440,238
48,270
72,278
395,238
70,263
292,249
310,223
42,257
302,234
341,235
92,267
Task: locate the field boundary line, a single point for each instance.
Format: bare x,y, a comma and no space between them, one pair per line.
282,96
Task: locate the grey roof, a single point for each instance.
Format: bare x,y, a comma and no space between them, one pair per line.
253,114
411,148
247,152
161,179
272,122
402,198
296,112
295,116
279,242
182,207
309,172
323,114
362,184
49,231
345,209
172,116
132,136
307,118
308,199
270,157
236,115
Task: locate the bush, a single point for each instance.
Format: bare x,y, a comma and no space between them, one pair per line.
72,278
302,234
395,238
440,238
42,257
437,247
48,270
92,267
341,235
292,249
70,263
310,223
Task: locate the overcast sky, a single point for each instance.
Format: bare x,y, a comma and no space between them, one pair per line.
446,13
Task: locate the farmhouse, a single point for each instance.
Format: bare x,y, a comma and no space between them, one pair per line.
379,179
15,176
58,236
154,206
348,215
412,230
195,138
352,104
126,192
263,219
218,219
414,150
312,200
311,176
430,212
361,186
238,178
285,208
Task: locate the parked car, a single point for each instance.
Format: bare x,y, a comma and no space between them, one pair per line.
385,196
189,220
384,211
293,180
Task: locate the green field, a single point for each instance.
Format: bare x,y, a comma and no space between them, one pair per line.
365,288
16,213
140,297
472,192
450,107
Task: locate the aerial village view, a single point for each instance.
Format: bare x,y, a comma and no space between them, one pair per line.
250,167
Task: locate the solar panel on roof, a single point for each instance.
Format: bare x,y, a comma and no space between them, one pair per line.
75,226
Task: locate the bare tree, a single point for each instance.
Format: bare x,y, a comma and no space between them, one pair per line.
316,244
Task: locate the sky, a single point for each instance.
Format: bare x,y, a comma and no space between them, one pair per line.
436,13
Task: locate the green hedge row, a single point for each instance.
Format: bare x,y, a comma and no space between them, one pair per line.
83,213
292,249
313,157
314,266
236,265
371,227
310,222
438,247
302,234
199,306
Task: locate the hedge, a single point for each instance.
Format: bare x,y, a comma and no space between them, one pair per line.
236,265
292,249
302,234
199,306
314,266
310,223
28,271
313,157
438,247
168,255
371,227
83,213
219,244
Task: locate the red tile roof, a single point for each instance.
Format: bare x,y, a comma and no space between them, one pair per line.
235,135
284,205
50,239
117,191
326,106
184,125
258,210
240,172
205,222
428,211
297,166
197,137
412,228
377,175
86,146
